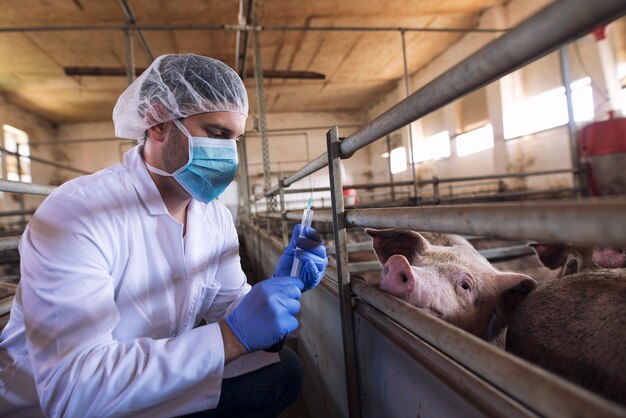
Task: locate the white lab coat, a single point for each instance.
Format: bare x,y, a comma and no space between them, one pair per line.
103,319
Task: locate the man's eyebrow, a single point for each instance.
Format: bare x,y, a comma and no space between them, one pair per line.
226,131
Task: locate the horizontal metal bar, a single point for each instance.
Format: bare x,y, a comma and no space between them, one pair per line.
363,266
324,215
501,176
482,395
499,196
491,254
78,141
11,278
245,28
27,188
587,222
506,253
310,168
16,213
44,161
5,305
353,247
9,243
529,384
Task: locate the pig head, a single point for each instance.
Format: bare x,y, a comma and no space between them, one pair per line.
577,259
445,276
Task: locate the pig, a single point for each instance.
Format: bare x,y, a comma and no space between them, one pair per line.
446,277
575,325
570,259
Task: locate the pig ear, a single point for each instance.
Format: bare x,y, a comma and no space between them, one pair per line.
514,287
551,255
609,257
388,242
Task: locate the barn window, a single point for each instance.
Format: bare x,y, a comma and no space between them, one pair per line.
16,140
549,110
432,148
398,160
474,141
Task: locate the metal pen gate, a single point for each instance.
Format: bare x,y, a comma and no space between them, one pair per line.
494,382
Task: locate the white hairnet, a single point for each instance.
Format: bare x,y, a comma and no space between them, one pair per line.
177,86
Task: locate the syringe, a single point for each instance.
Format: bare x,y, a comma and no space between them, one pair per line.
307,219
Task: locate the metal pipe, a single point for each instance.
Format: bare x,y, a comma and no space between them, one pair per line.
245,28
78,141
242,59
538,35
526,383
28,188
241,20
343,275
260,93
130,18
9,243
130,56
407,92
19,177
587,222
283,218
571,122
444,180
47,162
393,190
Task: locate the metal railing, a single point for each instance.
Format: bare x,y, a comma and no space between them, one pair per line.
591,222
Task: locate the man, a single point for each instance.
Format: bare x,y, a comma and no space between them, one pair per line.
132,298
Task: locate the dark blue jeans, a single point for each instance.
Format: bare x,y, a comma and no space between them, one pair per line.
262,393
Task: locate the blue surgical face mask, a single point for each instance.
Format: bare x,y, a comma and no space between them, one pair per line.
210,169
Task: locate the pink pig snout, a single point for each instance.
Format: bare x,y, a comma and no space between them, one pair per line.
397,277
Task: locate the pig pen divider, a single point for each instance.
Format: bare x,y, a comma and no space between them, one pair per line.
599,222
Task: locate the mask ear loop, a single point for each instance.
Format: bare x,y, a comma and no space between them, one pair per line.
185,132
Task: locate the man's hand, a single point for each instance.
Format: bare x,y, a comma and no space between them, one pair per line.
310,250
266,314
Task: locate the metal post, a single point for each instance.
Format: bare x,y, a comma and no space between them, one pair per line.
19,177
130,56
436,189
393,190
283,212
260,94
244,180
579,177
407,93
343,275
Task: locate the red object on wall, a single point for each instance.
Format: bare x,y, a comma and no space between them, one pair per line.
600,32
602,147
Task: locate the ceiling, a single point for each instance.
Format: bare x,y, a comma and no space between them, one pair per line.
359,66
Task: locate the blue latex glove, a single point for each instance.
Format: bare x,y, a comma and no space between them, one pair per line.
310,250
266,314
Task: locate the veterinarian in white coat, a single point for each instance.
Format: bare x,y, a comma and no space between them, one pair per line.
132,299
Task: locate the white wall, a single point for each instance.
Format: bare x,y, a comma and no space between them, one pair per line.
543,151
92,156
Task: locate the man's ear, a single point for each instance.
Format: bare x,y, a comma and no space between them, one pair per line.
158,132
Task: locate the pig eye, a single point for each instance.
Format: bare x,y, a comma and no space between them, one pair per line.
466,286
